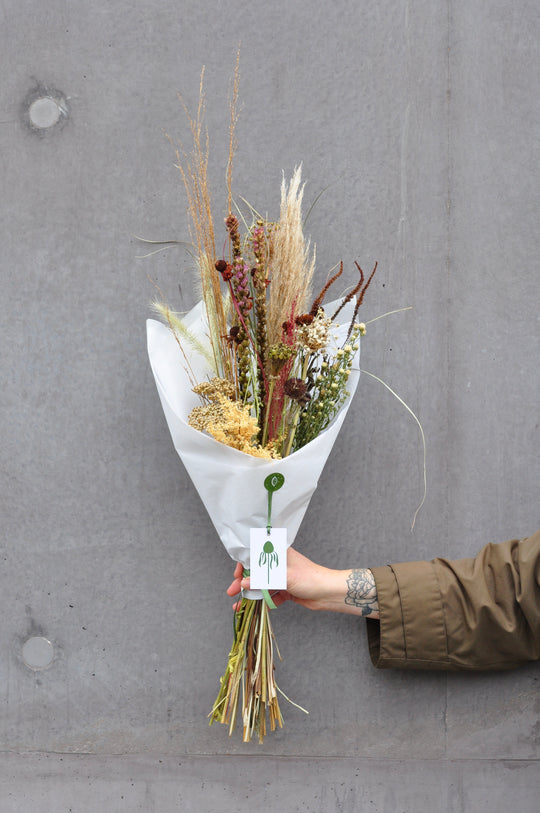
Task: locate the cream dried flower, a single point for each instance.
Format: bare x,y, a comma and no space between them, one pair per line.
315,336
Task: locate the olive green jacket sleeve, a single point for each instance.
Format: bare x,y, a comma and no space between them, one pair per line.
481,613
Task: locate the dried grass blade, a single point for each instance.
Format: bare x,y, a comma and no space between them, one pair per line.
401,401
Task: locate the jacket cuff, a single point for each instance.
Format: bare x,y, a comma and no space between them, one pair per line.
411,630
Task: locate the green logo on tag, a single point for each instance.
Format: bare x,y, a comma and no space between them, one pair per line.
268,557
274,482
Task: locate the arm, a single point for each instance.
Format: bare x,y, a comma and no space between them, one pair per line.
467,614
319,588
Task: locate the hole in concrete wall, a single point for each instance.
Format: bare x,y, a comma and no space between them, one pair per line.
44,109
37,653
44,112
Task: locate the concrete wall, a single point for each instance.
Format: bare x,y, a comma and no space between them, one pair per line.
422,120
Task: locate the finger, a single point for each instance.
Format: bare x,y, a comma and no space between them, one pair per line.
280,597
234,588
238,570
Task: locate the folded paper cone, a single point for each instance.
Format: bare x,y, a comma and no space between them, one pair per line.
231,483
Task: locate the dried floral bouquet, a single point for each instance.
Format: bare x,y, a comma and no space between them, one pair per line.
271,364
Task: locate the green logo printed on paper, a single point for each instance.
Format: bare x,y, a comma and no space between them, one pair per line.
268,557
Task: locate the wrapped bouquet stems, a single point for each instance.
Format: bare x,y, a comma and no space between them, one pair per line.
231,485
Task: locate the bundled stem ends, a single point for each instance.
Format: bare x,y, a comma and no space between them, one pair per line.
248,685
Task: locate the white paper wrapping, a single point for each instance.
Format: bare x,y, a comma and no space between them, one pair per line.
231,483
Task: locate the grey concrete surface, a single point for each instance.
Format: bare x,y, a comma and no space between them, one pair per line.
422,119
44,782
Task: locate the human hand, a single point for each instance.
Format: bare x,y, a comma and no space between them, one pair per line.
320,588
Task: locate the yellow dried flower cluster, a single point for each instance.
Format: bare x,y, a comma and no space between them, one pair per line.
314,337
213,389
201,416
231,423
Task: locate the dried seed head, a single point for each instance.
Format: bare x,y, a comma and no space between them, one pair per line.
281,351
231,222
295,388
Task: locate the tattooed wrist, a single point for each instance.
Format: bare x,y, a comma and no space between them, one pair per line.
362,591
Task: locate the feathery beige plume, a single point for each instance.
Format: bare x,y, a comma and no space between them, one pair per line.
291,267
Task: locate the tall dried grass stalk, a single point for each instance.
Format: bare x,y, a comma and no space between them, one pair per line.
233,105
291,267
193,167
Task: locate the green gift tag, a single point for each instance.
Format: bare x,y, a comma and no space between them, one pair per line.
268,559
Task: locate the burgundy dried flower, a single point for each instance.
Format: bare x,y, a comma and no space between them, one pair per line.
224,269
296,389
234,336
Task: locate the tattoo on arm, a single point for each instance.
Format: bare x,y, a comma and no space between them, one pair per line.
362,591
